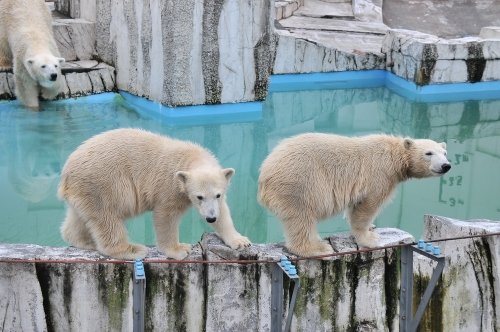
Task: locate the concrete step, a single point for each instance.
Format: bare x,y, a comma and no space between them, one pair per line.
286,8
322,9
334,25
323,36
81,78
75,37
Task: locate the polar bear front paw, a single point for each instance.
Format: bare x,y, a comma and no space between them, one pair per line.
367,239
310,249
178,252
238,242
126,251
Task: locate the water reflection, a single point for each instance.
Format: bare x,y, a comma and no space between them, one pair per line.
35,145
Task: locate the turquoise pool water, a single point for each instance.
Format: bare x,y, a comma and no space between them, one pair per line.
35,146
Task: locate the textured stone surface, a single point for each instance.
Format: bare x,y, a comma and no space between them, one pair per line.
490,33
81,78
303,51
468,294
329,36
84,9
427,59
322,9
188,52
286,8
367,10
75,38
89,293
444,18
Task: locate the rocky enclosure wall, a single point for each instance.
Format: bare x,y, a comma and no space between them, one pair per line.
357,292
427,59
188,52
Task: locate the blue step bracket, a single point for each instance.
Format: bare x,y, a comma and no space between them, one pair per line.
138,296
279,270
407,323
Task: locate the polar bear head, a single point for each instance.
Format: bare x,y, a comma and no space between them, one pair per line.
206,189
427,158
44,68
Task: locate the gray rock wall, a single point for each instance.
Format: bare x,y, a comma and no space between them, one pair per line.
427,59
355,292
81,78
468,294
188,52
88,296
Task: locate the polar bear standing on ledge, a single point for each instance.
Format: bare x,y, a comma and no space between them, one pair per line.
311,177
122,173
27,44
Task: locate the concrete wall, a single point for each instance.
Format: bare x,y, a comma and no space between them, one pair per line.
348,293
468,294
188,52
197,297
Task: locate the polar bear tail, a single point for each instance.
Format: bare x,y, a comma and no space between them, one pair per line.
61,190
261,194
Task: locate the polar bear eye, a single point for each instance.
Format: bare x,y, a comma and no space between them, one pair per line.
200,197
55,66
217,196
428,154
43,66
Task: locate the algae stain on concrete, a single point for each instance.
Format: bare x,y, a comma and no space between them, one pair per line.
391,285
427,64
170,285
432,319
113,285
332,277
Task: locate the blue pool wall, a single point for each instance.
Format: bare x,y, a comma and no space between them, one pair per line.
251,111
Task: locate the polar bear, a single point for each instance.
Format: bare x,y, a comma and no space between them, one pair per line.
27,44
314,176
121,173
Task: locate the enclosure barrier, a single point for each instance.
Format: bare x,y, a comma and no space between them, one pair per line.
279,270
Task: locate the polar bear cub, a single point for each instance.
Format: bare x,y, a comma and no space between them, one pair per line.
121,173
27,44
314,176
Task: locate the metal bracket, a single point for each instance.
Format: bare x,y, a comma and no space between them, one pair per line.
406,322
280,269
138,295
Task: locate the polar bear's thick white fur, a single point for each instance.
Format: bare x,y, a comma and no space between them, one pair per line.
121,173
27,45
314,176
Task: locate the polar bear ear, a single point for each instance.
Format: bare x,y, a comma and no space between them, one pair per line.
61,60
408,142
443,144
182,176
228,172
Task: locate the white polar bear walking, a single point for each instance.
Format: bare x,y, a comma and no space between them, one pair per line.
121,173
310,177
27,44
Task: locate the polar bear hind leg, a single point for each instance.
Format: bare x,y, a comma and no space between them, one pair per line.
75,232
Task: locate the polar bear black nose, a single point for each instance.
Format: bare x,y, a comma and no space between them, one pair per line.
53,77
445,168
211,219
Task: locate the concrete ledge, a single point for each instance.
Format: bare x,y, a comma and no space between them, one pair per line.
427,59
86,292
82,78
468,294
80,289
